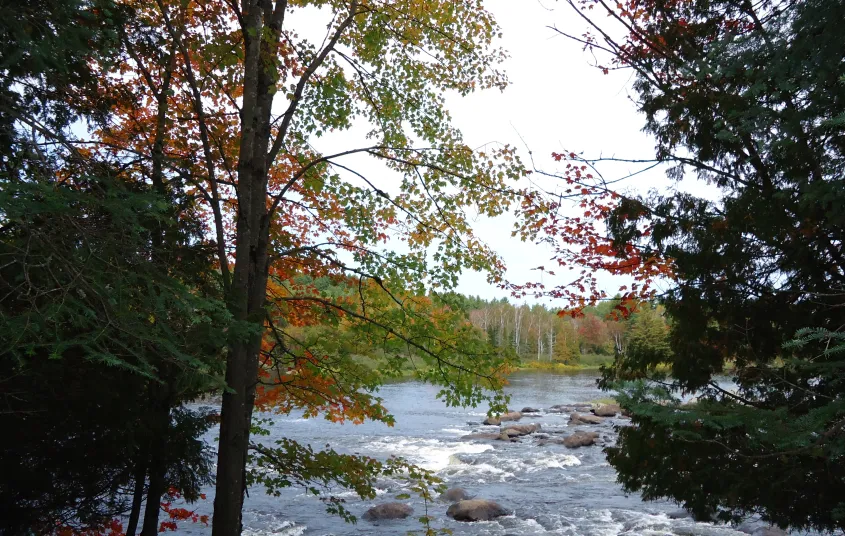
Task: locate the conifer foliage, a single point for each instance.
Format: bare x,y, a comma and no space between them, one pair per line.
750,98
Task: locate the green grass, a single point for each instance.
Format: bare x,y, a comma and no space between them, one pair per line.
595,360
586,362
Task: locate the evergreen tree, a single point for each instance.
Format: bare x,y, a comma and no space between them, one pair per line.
749,97
106,296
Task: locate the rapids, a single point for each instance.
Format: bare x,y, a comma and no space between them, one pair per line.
547,489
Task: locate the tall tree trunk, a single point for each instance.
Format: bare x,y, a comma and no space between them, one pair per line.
261,24
249,282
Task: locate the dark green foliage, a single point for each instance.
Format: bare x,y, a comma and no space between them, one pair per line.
109,317
92,329
79,271
46,47
725,460
750,97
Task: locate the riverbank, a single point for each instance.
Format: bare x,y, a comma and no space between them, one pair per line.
588,362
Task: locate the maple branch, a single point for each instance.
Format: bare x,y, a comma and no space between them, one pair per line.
296,176
139,64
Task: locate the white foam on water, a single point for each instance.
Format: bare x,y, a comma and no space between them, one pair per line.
458,467
431,454
604,524
457,431
552,461
351,494
285,528
531,526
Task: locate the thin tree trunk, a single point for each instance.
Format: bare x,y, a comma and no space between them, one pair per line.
137,494
157,464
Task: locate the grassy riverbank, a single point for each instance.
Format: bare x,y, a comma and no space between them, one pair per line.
586,362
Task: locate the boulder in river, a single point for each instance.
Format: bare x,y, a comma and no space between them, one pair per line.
607,410
392,510
580,439
509,416
520,429
529,410
455,495
584,418
475,510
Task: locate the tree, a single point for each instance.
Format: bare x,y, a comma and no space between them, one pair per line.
108,295
87,306
566,347
226,97
748,97
593,334
646,344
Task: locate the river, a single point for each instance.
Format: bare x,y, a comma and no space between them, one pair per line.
548,489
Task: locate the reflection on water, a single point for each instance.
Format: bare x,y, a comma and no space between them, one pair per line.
548,489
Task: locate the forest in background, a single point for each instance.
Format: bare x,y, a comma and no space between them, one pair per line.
538,334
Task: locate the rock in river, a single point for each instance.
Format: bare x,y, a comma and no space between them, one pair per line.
491,436
520,429
582,418
475,510
393,510
607,410
530,410
510,416
580,439
455,495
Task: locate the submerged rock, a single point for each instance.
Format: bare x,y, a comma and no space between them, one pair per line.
530,410
580,439
480,437
607,410
679,514
475,510
393,510
510,416
455,495
583,418
757,528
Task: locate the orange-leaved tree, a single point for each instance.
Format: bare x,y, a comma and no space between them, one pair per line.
238,106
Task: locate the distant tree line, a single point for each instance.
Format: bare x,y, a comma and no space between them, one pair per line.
539,333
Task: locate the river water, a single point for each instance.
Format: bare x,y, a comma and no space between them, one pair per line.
548,489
